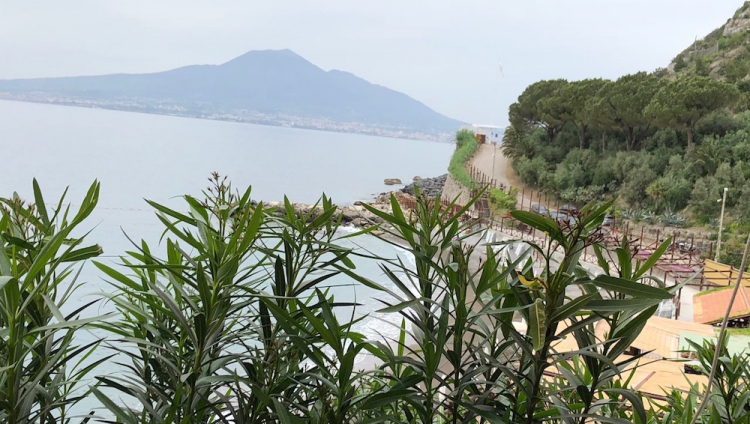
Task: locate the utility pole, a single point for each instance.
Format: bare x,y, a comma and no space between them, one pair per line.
721,224
494,150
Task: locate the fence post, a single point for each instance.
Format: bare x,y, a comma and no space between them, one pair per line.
640,242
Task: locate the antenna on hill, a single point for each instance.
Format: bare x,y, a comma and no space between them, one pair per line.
497,91
695,48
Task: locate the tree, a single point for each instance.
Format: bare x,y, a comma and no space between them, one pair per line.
703,197
683,102
569,103
711,153
527,107
637,181
619,105
517,142
673,190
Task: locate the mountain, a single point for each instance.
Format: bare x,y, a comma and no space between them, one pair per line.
270,86
723,54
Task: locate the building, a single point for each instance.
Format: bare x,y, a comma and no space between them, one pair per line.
489,134
709,307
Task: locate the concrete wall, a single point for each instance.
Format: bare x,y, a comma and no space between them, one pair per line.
452,188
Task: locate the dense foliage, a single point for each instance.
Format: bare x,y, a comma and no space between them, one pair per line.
466,146
664,147
229,320
502,201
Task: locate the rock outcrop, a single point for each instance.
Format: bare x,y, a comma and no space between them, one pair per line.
354,215
392,181
740,22
430,187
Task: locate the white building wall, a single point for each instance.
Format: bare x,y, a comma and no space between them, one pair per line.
491,133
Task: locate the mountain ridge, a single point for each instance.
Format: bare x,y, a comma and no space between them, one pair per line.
277,87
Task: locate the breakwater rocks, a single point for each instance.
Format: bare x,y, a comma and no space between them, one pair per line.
352,215
430,187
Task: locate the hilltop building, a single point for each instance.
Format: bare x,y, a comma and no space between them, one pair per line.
489,134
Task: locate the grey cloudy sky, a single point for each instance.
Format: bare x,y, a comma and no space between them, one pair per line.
444,53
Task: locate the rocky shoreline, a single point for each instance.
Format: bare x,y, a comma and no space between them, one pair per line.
430,187
357,216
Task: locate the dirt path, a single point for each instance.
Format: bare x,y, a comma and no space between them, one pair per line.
490,160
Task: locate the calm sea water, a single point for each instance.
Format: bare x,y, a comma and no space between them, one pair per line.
138,156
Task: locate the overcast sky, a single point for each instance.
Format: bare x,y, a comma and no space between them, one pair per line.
444,53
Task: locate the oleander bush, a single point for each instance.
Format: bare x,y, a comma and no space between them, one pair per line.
229,319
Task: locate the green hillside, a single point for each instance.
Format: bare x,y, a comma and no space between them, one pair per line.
664,143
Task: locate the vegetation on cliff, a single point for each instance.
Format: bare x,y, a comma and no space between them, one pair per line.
466,146
665,143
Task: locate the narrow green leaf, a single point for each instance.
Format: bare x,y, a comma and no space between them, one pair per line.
651,261
539,222
39,202
571,308
634,400
537,324
631,288
616,305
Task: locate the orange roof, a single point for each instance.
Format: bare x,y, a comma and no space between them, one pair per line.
710,307
660,376
661,336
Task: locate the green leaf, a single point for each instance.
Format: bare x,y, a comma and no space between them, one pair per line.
624,260
537,324
631,288
381,400
651,261
114,408
576,305
283,413
634,400
39,202
82,254
616,305
541,223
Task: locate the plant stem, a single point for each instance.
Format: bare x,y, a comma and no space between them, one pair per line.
722,334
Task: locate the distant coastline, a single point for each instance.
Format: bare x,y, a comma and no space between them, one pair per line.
272,120
267,87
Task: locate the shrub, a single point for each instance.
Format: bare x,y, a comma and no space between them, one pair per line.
702,66
502,200
741,150
576,170
43,366
532,171
719,124
489,369
679,64
670,191
466,146
231,320
637,180
582,195
603,176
